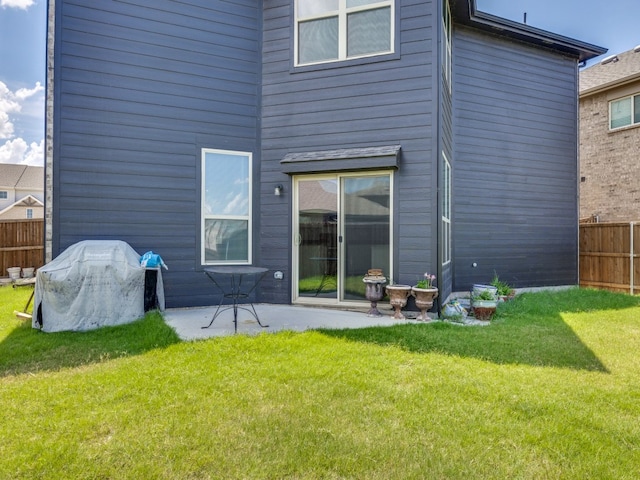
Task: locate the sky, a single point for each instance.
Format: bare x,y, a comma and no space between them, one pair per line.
610,24
22,80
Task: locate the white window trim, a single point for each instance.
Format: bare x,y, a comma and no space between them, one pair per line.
248,217
342,13
631,98
447,41
446,221
29,213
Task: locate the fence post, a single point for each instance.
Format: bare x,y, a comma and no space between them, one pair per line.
632,259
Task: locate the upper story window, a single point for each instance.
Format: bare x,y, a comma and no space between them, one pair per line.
446,43
3,194
29,213
624,112
226,207
333,30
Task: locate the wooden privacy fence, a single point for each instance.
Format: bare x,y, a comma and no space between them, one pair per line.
610,256
21,244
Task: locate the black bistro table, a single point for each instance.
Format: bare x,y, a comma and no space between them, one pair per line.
235,290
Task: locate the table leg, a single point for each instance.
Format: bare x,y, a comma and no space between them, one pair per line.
235,294
217,312
235,314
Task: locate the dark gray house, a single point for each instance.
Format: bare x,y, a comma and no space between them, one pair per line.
318,138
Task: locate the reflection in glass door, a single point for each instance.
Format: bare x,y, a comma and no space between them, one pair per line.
341,229
366,230
317,238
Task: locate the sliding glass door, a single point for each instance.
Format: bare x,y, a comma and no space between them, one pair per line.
342,228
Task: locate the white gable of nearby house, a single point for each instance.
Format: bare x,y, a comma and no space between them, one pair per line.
17,182
25,208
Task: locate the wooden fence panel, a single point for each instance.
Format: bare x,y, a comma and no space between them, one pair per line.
636,258
21,244
610,256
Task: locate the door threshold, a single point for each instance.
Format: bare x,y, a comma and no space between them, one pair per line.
349,305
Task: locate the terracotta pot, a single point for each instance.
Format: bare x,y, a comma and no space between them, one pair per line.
398,295
424,300
484,309
506,298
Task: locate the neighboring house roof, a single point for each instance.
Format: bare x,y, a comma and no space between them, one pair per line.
32,179
24,177
10,174
466,13
613,71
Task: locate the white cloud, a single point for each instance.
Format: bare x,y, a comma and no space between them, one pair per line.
17,151
23,4
6,127
24,93
35,154
8,104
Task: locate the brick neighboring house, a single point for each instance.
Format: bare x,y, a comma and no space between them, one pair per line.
610,138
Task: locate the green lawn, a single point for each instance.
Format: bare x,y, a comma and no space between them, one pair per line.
550,390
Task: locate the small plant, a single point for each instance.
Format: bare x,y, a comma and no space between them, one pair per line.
484,295
504,289
427,282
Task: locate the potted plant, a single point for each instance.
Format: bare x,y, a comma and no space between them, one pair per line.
484,304
425,293
503,289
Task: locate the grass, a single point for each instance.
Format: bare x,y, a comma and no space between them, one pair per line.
353,285
549,390
24,350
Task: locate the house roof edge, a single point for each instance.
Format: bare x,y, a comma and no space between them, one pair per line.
466,12
621,82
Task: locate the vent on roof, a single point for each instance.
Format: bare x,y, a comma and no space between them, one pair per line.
637,49
609,59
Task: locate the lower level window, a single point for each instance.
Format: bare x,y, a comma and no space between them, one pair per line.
446,210
226,207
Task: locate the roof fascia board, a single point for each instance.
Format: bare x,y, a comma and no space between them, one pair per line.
610,85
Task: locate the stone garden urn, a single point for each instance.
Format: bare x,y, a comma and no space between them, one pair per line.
398,295
424,300
374,281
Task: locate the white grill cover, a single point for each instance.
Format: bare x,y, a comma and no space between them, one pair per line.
91,284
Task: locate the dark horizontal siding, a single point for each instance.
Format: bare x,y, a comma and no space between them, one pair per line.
139,91
445,283
515,174
385,100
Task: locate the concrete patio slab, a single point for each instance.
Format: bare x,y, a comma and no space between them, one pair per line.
188,322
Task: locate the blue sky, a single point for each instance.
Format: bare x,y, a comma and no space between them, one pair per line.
611,24
607,23
22,80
